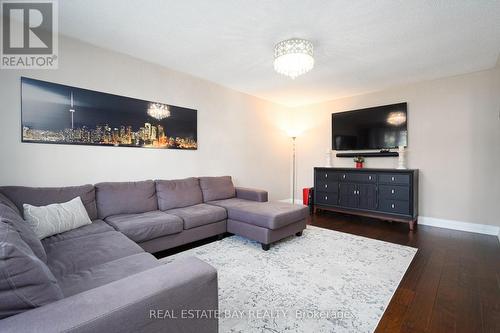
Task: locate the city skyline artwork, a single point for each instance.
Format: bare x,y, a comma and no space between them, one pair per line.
60,114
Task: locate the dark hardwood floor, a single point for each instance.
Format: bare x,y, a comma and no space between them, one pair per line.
452,284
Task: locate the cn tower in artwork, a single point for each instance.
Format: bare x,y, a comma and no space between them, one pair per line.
72,111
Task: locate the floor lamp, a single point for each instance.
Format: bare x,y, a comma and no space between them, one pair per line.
293,169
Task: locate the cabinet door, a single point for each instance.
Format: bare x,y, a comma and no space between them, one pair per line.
367,196
347,195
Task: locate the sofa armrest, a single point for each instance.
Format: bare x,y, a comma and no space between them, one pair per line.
143,302
251,194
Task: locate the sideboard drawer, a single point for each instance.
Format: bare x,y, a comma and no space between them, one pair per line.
326,198
394,192
325,175
394,178
327,186
394,206
361,177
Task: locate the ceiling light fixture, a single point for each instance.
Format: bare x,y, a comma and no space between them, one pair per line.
293,57
158,111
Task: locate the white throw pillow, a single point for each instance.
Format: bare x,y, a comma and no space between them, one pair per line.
56,218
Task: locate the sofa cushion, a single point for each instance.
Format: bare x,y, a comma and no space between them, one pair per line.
178,193
270,215
25,281
96,227
198,215
101,274
146,226
217,188
125,198
42,196
77,254
56,218
12,218
7,202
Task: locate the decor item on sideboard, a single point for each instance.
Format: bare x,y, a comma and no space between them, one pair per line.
328,158
401,157
359,160
55,113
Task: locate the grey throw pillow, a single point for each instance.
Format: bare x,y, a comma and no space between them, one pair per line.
25,281
56,218
12,218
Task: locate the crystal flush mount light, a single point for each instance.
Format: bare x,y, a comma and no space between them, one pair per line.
158,111
293,57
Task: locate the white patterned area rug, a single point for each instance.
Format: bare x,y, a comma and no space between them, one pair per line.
324,281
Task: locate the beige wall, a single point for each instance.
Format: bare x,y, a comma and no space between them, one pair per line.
244,136
238,135
454,139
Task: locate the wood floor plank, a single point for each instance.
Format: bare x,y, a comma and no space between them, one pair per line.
445,307
419,313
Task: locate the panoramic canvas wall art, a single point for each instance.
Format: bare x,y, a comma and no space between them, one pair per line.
55,113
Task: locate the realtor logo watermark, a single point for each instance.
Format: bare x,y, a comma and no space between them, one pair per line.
29,34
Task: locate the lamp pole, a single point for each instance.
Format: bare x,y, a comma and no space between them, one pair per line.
293,170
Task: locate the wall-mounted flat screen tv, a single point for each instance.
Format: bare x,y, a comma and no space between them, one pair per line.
381,127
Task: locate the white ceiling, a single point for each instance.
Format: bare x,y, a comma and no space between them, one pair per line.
360,45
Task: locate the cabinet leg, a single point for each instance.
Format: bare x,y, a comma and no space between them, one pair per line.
413,225
266,247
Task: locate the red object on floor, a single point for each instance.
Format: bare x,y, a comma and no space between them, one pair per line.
359,165
305,196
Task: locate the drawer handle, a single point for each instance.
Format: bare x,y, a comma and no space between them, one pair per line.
326,175
369,177
326,185
393,206
343,176
392,178
392,191
354,191
326,197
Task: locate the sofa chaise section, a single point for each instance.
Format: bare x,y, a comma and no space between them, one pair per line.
249,213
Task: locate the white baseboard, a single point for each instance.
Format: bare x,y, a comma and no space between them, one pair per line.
447,224
459,225
297,201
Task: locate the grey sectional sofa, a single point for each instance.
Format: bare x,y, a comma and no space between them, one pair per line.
101,278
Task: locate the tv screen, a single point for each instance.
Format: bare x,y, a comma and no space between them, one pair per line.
381,127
